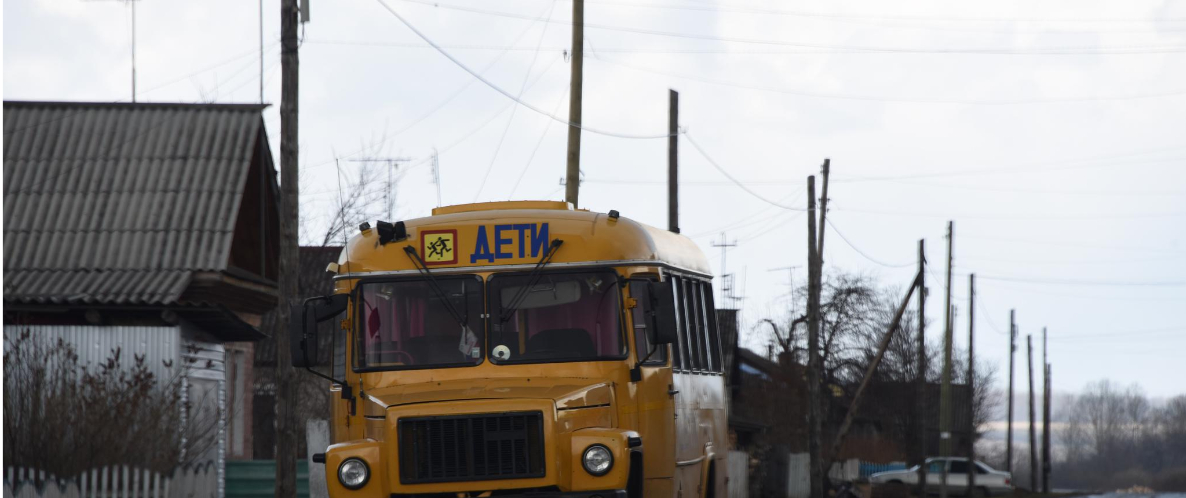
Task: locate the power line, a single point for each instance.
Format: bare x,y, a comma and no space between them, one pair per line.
1016,217
1129,333
731,178
1071,244
1109,283
869,49
538,143
522,88
441,105
832,15
871,98
1028,168
863,253
508,94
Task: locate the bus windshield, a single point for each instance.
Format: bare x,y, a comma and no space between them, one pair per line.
572,316
410,324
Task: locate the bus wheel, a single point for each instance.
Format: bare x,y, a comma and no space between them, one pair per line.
635,481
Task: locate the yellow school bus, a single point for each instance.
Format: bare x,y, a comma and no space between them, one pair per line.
520,349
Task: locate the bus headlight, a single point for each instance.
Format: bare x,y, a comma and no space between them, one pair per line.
353,473
597,460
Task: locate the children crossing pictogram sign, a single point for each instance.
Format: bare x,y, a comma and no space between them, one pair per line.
439,247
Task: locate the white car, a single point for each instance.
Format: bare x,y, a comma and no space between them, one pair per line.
988,480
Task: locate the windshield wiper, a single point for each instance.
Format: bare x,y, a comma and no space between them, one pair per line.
532,278
463,320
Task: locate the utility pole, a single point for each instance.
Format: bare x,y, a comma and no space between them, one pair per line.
286,400
1009,428
823,213
1045,416
971,385
945,393
572,183
1033,429
814,413
261,51
672,160
920,416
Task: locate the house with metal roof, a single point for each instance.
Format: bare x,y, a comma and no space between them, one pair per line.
147,227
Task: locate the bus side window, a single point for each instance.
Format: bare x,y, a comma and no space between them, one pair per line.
677,349
696,307
642,299
714,335
688,312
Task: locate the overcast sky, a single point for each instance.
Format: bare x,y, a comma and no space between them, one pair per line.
1052,133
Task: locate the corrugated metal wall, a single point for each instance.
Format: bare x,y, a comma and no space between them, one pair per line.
167,351
94,344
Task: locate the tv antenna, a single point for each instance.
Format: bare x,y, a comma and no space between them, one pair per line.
132,4
726,278
389,189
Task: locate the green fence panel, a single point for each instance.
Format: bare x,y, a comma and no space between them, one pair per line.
257,479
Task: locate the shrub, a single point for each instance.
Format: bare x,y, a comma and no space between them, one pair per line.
65,417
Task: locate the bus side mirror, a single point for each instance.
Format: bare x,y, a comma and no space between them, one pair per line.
302,326
662,329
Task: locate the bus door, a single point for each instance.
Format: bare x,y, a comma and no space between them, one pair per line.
655,400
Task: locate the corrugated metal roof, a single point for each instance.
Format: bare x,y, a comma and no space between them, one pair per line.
119,203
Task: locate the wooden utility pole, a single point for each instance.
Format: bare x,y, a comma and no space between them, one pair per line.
814,412
1033,428
672,160
1045,416
823,212
572,183
921,405
971,385
1009,428
286,402
945,393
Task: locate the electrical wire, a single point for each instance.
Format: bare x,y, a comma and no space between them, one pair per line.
538,143
871,98
731,178
507,94
1015,217
863,253
436,108
1108,283
831,15
866,49
1130,333
522,87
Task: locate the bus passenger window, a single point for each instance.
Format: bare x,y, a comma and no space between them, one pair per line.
680,362
640,313
701,326
714,335
688,312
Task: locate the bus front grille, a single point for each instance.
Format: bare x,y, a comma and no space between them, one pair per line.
471,447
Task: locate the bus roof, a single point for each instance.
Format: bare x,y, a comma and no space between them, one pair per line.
512,235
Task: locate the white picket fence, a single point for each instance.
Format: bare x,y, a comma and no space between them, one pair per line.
117,481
